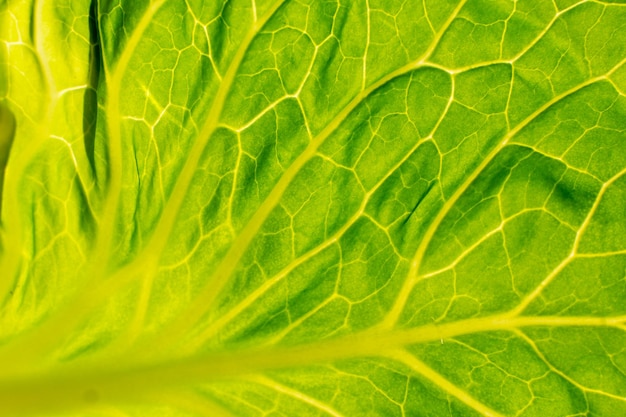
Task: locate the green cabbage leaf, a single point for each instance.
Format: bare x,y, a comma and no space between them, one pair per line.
313,208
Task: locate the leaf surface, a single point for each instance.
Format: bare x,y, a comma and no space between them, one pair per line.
306,208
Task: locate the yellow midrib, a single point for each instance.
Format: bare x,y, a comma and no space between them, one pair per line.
64,387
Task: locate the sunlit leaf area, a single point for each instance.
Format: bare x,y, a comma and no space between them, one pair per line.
312,208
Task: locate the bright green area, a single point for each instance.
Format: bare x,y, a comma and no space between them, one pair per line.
313,208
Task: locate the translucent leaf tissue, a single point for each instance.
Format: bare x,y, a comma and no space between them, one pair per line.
394,208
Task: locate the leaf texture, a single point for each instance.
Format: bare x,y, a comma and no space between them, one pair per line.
307,208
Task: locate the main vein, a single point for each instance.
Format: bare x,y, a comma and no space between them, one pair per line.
66,386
